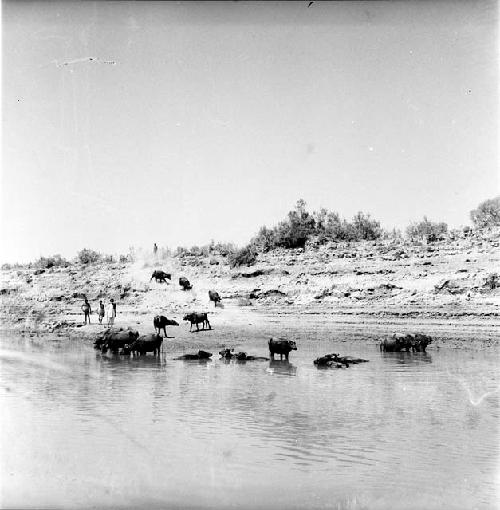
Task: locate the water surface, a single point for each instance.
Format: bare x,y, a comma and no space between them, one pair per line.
82,429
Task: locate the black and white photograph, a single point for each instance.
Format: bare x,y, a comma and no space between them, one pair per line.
250,255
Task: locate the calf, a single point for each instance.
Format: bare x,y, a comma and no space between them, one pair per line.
281,347
197,318
161,322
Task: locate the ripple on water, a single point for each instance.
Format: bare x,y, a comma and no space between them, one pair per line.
427,425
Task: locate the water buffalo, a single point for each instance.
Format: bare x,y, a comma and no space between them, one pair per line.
240,356
214,296
160,276
147,343
330,361
420,342
197,318
115,340
161,322
199,356
281,347
334,360
184,283
396,343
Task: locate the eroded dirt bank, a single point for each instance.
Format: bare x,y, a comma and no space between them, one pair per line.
356,291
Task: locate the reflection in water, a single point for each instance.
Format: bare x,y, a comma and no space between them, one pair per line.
406,358
283,367
142,431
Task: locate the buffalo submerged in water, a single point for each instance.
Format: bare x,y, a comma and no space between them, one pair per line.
229,354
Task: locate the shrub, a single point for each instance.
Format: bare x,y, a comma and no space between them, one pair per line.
487,214
426,230
48,262
87,256
265,240
247,256
296,229
365,228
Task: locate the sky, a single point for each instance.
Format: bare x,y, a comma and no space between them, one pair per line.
206,120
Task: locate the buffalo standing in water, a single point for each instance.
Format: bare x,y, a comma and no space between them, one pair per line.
281,347
184,283
147,343
160,276
197,318
214,296
161,322
397,343
420,342
115,340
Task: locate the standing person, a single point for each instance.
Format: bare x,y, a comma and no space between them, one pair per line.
155,249
86,310
101,311
111,312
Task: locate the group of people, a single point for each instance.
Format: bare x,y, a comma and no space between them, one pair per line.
109,311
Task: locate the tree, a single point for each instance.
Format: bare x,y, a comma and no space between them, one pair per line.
87,256
426,230
487,214
366,228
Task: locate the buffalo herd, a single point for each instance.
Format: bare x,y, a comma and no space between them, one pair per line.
130,342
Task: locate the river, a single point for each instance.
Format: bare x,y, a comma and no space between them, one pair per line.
82,429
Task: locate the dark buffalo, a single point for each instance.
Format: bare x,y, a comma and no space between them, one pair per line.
396,343
214,296
160,276
199,356
329,360
147,343
420,342
281,347
229,354
197,318
161,322
334,360
115,340
184,283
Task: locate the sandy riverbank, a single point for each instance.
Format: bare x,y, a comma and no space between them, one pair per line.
358,291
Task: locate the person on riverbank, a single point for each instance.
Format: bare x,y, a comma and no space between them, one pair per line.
111,312
87,310
101,311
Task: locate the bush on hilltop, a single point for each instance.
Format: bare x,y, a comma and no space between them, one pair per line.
426,230
87,256
247,256
487,213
